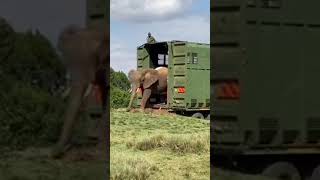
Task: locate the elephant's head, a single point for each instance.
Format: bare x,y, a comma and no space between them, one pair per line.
84,50
144,78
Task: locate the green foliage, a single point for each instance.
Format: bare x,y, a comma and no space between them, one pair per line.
34,61
29,112
119,80
6,39
119,98
119,89
28,115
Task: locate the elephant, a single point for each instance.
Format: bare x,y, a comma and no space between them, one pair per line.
151,81
86,53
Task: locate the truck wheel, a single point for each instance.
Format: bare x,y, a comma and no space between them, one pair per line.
316,173
208,117
282,171
198,115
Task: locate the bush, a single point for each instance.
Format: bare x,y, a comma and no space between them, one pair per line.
29,116
120,85
119,98
29,75
34,61
119,80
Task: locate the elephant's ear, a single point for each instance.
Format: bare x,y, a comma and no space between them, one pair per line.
150,78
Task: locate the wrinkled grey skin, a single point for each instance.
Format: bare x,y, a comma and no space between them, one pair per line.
151,80
86,54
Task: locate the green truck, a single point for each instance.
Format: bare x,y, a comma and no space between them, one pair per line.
188,91
97,17
266,56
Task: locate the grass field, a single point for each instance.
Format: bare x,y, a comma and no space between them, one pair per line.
143,146
161,146
154,146
34,164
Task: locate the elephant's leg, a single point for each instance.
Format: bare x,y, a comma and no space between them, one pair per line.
71,115
104,120
145,98
103,128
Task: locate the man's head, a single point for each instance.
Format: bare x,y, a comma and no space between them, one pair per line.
149,34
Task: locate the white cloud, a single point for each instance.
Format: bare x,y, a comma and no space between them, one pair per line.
190,28
122,56
148,10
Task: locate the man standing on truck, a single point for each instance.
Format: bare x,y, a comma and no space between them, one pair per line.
151,39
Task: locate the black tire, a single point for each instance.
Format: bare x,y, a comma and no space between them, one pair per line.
316,173
208,117
198,115
282,171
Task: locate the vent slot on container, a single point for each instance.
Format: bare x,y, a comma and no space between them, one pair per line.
268,128
290,136
273,4
251,3
313,126
193,102
207,102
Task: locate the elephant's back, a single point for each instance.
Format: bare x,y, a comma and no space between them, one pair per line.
163,76
163,71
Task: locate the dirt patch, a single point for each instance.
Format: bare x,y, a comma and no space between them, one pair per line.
151,111
162,112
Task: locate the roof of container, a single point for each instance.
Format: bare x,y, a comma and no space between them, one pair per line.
142,46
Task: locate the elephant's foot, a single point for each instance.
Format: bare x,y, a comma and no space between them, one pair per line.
148,110
58,151
128,109
140,110
145,110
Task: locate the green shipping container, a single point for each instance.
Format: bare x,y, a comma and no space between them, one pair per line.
189,73
266,104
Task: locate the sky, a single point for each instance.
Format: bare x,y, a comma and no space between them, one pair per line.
131,20
50,17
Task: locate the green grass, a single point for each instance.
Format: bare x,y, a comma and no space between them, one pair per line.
35,165
154,146
143,146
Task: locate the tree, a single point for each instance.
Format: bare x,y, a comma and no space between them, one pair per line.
30,70
120,86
